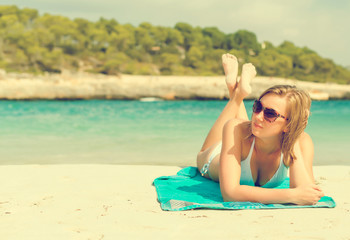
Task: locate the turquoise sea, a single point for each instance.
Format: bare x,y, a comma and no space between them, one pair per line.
135,132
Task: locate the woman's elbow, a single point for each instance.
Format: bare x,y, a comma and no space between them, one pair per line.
228,199
230,195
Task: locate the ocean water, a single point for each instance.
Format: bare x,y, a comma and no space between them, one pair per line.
135,132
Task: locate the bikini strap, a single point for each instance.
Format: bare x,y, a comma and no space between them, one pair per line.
251,150
214,153
282,162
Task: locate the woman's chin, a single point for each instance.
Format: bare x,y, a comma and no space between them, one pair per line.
255,130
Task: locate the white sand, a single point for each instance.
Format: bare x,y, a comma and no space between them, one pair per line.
119,202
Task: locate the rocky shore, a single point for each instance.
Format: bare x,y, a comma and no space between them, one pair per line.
93,86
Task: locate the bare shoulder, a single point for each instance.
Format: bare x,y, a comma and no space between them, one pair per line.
305,140
241,130
236,121
238,124
304,149
306,146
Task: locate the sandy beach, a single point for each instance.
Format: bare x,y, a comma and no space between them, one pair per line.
119,202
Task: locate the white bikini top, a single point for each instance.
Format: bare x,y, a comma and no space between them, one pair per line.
246,172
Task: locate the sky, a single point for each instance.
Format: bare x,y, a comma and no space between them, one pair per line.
321,25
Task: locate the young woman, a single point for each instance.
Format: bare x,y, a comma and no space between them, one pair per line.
249,158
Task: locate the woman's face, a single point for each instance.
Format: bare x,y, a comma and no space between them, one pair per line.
263,128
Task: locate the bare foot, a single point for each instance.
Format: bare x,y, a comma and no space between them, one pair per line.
248,73
230,64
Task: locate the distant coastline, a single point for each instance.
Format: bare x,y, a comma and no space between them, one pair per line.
67,86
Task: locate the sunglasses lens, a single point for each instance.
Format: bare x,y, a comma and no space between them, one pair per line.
257,107
270,114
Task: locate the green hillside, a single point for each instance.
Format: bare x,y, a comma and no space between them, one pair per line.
30,42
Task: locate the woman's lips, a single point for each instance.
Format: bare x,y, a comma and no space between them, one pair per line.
257,125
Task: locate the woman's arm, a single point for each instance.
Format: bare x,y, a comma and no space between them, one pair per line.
230,172
244,193
301,174
230,158
301,169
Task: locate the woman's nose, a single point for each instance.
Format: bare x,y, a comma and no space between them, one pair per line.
260,116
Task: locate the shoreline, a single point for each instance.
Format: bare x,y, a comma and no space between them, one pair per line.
118,201
82,86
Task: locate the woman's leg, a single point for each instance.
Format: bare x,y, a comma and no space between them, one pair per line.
230,111
248,73
233,109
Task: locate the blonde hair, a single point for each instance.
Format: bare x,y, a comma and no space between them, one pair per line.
298,111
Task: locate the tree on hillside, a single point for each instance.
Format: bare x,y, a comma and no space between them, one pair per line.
30,42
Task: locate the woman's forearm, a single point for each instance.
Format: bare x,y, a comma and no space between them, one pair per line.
243,193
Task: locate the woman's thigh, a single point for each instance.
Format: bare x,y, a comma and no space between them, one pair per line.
203,158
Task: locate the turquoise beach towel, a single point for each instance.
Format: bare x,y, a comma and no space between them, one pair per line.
189,190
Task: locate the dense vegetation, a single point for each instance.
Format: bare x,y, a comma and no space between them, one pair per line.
33,43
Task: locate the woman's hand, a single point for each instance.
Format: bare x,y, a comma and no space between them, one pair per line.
307,195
